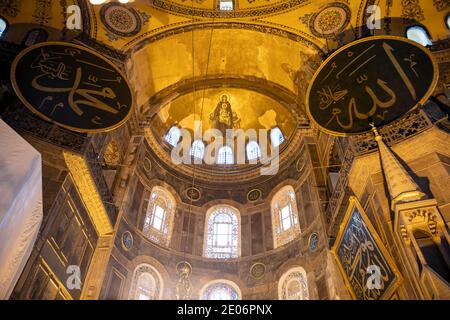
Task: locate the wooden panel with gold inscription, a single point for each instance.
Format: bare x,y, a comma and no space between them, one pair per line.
366,266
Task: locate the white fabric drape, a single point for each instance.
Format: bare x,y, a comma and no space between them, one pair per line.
20,205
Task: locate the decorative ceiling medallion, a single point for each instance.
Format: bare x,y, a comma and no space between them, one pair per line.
193,194
254,195
258,270
147,164
330,21
127,240
120,20
313,241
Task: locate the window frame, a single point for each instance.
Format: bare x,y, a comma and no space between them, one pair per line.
255,146
284,198
226,10
5,31
284,281
175,126
283,138
163,199
192,150
226,156
232,249
218,282
158,283
422,28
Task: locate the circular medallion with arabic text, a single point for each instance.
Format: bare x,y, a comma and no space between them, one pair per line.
127,240
258,270
254,195
350,91
72,86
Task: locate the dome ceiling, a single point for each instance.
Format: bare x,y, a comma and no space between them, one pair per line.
238,53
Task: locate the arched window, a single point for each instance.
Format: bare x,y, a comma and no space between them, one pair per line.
293,285
284,216
222,233
220,290
226,5
35,36
418,34
197,149
3,27
225,155
253,151
146,284
276,137
159,217
173,136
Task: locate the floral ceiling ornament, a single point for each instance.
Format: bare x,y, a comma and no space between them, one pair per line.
330,21
411,10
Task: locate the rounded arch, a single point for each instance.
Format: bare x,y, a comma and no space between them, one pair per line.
163,184
284,213
293,285
220,288
160,214
146,283
222,232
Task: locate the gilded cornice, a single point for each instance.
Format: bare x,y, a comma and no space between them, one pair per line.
176,9
81,175
255,25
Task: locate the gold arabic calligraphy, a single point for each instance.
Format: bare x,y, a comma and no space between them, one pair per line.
357,251
334,97
51,66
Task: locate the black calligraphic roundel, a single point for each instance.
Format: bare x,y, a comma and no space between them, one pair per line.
373,80
72,86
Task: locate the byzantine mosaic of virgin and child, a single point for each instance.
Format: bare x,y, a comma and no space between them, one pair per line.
223,117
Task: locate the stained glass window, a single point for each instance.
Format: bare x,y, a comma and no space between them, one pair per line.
146,284
222,233
173,136
159,217
419,35
253,151
197,149
221,291
276,137
225,155
3,27
284,216
293,285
